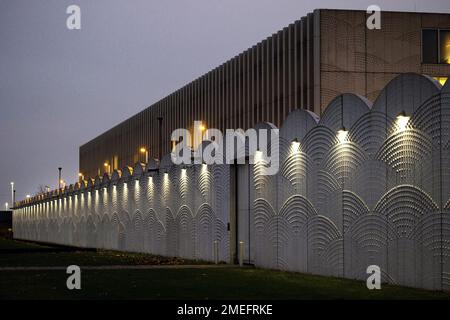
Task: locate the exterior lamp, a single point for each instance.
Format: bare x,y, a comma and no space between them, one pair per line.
6,206
107,167
258,156
295,145
202,127
402,121
12,193
342,135
144,151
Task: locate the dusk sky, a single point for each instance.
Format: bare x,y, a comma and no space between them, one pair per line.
59,88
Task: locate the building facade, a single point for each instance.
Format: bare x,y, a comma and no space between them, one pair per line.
303,66
376,193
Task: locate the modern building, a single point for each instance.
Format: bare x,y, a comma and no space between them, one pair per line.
305,65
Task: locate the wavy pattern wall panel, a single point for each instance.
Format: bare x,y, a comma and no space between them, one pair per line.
377,194
171,211
354,188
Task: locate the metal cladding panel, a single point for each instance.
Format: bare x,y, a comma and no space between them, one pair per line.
374,193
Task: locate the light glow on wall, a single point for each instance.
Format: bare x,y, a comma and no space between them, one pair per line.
258,156
166,185
441,80
137,193
125,195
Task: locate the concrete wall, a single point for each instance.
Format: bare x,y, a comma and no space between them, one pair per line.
380,196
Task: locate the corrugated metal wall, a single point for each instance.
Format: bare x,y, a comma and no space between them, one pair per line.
264,83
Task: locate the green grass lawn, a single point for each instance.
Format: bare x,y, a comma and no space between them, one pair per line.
9,244
226,283
41,255
185,283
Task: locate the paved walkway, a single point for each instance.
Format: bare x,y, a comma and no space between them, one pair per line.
122,267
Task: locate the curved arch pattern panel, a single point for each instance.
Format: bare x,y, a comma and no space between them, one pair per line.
356,188
360,188
172,211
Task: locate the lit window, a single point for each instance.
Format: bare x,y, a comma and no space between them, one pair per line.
441,80
444,39
436,46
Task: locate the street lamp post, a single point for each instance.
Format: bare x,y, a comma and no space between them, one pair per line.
59,180
12,193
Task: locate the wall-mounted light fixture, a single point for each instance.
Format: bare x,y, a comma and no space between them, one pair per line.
402,121
107,167
144,150
342,135
295,145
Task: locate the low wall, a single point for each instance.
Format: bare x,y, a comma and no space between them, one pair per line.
355,188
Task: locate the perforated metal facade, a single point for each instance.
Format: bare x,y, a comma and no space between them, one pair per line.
303,66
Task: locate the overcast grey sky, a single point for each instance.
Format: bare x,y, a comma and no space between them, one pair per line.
60,88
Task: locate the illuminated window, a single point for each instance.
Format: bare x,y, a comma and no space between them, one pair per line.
444,40
441,80
435,46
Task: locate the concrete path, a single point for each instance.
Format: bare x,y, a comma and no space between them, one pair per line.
122,267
